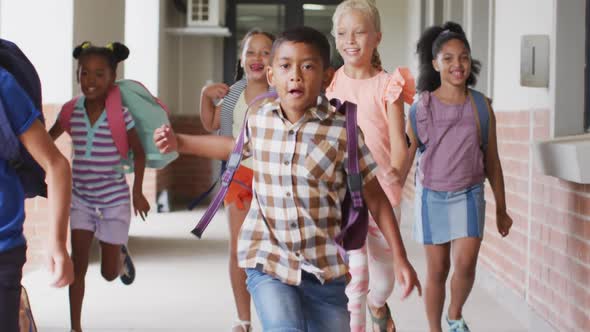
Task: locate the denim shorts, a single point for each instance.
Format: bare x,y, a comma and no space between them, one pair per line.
310,306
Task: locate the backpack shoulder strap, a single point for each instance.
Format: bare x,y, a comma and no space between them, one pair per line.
354,179
114,106
413,110
228,174
10,144
483,116
65,115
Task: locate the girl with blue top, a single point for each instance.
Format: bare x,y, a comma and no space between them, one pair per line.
453,162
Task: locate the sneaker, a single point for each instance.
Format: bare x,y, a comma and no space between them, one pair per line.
127,269
457,325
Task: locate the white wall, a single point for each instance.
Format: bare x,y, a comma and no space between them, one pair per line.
186,63
43,30
514,19
142,26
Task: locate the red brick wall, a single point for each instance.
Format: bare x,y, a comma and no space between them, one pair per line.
188,176
546,257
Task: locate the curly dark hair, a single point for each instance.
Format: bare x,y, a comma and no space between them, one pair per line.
429,44
114,52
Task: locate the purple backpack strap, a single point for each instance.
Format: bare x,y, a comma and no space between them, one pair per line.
354,211
232,165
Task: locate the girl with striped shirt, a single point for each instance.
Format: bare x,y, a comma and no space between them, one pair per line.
223,108
100,194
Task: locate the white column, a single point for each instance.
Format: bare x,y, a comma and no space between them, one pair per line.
99,22
142,27
43,30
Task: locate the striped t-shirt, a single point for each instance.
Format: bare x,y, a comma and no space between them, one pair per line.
96,169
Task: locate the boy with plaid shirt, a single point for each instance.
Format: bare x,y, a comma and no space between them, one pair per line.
298,145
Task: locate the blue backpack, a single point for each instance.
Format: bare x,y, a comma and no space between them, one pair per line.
31,175
483,115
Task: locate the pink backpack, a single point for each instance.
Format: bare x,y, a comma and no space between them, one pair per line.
147,111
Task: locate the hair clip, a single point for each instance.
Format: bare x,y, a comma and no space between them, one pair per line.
86,45
444,32
110,47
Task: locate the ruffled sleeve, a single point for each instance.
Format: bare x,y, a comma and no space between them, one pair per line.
401,84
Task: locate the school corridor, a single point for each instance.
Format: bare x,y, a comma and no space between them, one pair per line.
534,56
182,284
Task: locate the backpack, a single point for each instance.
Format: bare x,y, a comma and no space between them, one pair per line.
355,216
482,107
32,177
147,111
26,321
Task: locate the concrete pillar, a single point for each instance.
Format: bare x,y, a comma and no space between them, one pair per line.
43,30
100,22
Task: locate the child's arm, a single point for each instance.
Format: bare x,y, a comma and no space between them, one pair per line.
493,170
397,139
382,212
140,203
210,114
208,146
56,131
41,147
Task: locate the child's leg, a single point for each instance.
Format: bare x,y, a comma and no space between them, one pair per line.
357,289
465,252
81,241
11,272
113,231
325,306
278,305
381,277
437,270
237,274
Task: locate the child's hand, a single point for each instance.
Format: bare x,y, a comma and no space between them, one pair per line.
504,222
406,276
60,266
140,205
215,91
392,176
165,139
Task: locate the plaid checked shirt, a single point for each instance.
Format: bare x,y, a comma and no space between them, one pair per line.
299,184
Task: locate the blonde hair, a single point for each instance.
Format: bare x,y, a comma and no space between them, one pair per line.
368,8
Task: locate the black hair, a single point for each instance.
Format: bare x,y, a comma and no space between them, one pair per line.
308,36
113,52
429,44
252,32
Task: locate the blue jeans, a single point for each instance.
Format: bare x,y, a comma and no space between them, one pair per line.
309,307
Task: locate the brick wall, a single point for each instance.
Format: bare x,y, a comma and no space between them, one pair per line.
546,257
188,176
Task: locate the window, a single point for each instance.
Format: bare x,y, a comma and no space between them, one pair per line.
271,16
